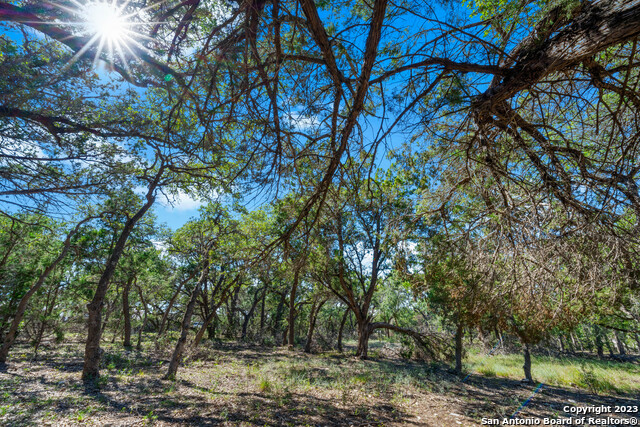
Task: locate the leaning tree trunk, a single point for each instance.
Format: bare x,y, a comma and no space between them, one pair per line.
620,343
315,309
249,315
459,335
91,368
570,342
575,343
165,315
186,322
204,327
527,363
24,301
563,346
607,342
213,314
49,306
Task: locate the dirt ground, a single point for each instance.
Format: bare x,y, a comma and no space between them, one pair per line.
240,385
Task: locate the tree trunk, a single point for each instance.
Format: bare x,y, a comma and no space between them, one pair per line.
620,343
144,320
598,340
292,308
211,332
91,368
570,342
484,339
49,306
106,318
126,313
563,348
341,330
116,330
607,342
264,298
595,26
459,335
231,314
165,315
278,318
637,342
186,323
213,314
315,309
24,301
364,332
205,327
575,343
247,317
527,364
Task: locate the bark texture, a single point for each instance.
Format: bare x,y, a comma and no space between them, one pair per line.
527,364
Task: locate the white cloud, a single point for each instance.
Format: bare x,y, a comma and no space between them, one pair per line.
180,201
15,147
301,122
160,245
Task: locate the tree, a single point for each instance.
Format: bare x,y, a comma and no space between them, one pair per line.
42,277
363,227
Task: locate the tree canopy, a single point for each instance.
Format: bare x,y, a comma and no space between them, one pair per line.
423,168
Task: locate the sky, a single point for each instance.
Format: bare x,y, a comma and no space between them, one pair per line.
177,211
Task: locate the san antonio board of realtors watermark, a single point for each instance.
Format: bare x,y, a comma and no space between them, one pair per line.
577,416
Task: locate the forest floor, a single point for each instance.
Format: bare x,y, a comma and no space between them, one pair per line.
233,384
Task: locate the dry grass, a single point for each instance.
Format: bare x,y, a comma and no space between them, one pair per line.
232,384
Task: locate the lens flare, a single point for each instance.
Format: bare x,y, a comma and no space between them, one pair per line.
111,29
106,21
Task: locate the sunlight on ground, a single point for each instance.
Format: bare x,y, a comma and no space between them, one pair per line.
594,375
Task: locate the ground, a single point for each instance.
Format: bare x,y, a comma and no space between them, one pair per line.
242,385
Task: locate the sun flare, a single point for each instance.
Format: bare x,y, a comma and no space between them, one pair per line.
106,21
111,29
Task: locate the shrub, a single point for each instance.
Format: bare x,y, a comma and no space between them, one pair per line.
588,379
488,371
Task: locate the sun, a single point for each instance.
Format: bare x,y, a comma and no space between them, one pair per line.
110,29
106,21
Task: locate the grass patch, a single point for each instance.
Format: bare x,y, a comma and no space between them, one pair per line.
597,376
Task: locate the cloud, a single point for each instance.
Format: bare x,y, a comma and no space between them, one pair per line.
301,122
180,201
19,147
160,245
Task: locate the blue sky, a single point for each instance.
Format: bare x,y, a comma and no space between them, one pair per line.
184,208
181,208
